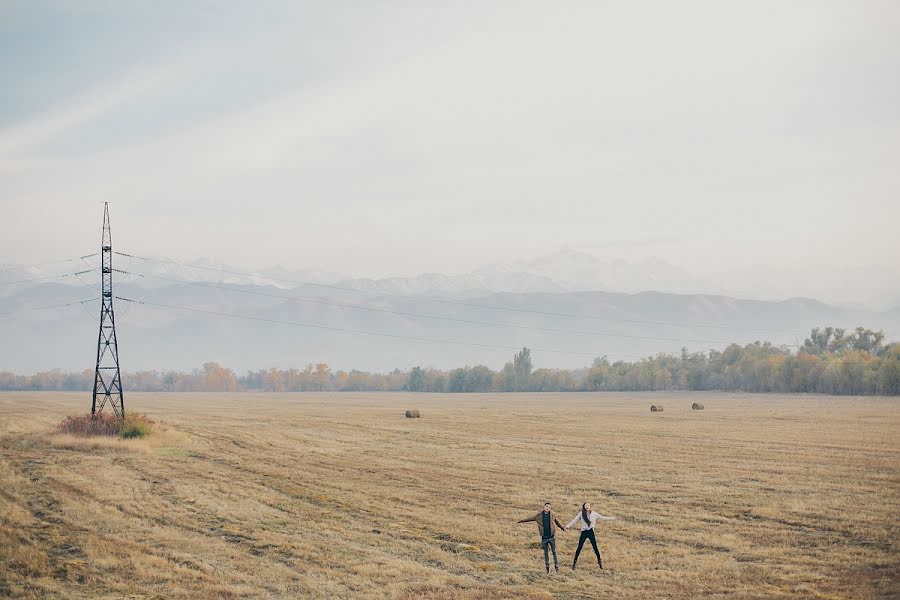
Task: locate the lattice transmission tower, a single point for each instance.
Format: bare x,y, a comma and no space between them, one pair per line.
107,376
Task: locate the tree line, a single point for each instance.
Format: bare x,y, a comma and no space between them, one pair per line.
830,361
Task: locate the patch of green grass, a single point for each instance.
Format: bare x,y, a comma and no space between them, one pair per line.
136,426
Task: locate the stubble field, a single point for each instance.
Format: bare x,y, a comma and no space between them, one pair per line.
339,496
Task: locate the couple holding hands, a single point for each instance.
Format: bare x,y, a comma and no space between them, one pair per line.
548,522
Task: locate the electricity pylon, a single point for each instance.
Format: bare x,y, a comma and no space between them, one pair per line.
107,377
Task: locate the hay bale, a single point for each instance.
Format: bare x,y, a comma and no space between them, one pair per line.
412,414
696,406
656,408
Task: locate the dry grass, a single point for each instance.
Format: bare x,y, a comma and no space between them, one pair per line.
339,495
162,440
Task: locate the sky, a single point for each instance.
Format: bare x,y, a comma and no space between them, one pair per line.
393,138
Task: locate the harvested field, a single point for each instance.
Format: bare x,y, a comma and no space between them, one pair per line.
340,495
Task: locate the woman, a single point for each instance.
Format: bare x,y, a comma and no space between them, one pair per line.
588,519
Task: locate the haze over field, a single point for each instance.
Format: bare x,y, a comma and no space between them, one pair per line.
528,310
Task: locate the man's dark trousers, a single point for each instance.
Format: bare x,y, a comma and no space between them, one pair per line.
551,542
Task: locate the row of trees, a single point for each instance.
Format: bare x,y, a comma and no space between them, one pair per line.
830,361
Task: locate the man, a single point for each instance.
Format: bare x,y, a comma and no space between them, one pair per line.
547,523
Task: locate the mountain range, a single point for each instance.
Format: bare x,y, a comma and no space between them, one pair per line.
568,307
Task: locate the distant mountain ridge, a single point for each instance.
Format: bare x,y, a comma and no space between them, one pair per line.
561,272
563,329
564,271
621,309
578,271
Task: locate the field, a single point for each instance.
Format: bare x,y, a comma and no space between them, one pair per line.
337,495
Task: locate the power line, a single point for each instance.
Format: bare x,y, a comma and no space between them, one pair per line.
57,276
424,316
44,278
49,306
434,340
356,331
87,286
453,302
12,267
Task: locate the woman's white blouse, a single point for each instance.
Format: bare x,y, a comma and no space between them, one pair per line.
595,516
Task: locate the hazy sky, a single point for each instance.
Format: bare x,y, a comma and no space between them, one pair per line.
389,138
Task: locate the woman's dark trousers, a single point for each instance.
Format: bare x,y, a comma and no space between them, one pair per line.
587,534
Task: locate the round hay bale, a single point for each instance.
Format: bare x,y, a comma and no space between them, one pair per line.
656,408
412,414
696,406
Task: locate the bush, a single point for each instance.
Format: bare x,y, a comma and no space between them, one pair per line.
91,425
135,425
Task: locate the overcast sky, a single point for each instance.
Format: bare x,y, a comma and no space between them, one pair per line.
390,138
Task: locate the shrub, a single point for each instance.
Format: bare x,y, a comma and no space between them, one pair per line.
91,425
135,425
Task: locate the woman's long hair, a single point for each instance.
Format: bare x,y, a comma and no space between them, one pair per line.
585,514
